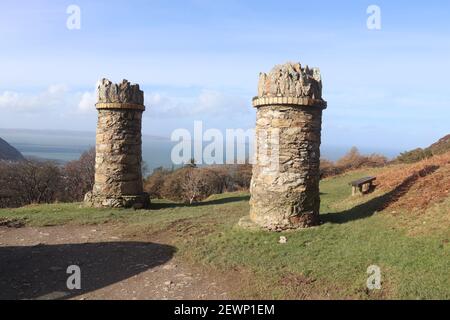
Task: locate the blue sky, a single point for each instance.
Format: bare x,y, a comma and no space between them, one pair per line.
200,60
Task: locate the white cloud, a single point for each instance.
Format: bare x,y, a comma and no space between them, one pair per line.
56,97
53,96
59,98
87,102
207,102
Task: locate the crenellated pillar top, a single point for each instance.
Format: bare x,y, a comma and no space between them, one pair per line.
123,95
290,84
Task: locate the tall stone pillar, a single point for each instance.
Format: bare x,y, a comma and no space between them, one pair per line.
118,162
285,183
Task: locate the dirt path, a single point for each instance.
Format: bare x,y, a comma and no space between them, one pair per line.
34,261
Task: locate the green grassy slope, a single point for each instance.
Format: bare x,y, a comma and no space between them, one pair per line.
329,261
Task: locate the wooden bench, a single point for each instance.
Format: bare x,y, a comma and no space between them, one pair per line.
362,186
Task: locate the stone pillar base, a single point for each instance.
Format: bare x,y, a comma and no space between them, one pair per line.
305,221
137,202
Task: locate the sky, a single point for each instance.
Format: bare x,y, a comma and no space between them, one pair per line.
387,89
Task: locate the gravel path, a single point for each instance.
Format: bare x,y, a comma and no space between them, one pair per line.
34,261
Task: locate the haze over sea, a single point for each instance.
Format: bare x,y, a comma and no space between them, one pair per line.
63,146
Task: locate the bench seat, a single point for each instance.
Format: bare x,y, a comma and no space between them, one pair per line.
362,185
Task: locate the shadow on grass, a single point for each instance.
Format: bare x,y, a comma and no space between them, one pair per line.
157,206
380,203
39,272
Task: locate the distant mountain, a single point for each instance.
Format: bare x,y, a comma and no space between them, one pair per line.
8,152
440,147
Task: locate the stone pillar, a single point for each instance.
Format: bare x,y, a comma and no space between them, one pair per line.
286,174
118,162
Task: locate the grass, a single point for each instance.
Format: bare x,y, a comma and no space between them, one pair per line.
329,261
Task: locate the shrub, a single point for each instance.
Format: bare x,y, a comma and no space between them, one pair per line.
328,169
350,161
413,156
192,183
154,183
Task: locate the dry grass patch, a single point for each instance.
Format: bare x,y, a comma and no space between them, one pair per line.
417,186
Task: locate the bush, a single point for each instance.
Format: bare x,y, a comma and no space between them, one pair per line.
154,183
354,160
413,156
350,161
192,184
234,177
440,147
328,169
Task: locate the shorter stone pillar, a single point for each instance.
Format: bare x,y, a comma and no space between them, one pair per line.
118,162
286,174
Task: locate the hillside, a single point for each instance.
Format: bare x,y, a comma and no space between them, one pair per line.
440,147
417,186
403,227
8,152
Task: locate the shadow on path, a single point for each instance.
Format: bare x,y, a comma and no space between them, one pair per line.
368,208
39,272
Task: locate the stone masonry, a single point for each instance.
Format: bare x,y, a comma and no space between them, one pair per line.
285,183
118,162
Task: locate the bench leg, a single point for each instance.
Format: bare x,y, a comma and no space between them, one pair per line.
364,188
354,191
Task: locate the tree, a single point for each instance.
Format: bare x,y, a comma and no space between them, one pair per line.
34,181
29,182
79,176
195,185
191,163
351,160
191,185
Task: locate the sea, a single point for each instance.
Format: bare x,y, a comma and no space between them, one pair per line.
62,146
